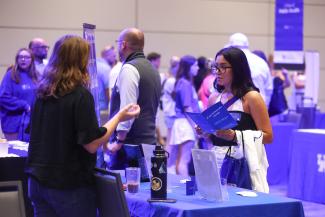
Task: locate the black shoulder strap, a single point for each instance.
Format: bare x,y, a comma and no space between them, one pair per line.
231,101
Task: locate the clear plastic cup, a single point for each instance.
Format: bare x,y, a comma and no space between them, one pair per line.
3,147
132,175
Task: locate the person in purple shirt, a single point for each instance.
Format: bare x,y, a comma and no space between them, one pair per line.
182,135
17,95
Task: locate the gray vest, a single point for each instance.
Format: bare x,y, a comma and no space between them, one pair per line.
144,127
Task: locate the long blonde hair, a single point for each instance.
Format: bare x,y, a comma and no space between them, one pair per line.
67,67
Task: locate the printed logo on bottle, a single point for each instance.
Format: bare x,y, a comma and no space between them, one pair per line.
162,168
156,183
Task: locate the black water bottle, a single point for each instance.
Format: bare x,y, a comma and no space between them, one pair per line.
159,173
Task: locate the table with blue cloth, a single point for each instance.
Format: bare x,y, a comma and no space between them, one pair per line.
264,205
278,153
307,165
320,120
12,169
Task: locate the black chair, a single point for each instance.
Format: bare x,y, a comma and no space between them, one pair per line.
110,194
12,199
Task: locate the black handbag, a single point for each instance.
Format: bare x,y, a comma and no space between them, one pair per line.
236,171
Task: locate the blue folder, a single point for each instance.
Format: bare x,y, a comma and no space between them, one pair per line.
216,117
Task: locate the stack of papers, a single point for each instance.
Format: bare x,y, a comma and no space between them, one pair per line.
20,145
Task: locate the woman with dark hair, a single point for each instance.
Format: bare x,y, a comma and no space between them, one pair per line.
207,87
202,72
234,84
17,95
278,103
65,135
182,137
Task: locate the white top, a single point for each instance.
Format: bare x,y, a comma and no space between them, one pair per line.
261,75
236,152
114,73
167,100
128,86
236,106
40,68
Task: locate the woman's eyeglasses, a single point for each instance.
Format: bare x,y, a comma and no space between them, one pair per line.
221,69
24,57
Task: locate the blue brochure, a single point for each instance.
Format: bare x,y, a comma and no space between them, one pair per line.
216,117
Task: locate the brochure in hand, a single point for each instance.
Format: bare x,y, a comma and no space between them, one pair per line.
216,117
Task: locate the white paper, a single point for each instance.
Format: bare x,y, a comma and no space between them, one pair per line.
247,193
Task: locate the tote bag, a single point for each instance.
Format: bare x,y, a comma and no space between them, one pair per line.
236,171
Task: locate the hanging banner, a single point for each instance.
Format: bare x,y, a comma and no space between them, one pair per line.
289,35
89,35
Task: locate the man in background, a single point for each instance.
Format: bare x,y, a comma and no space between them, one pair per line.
154,58
40,49
260,71
103,71
138,82
109,55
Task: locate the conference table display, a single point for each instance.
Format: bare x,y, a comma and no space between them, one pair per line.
254,204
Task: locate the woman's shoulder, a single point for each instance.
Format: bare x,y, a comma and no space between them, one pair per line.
215,94
8,71
7,75
80,92
183,81
213,97
251,93
253,97
182,84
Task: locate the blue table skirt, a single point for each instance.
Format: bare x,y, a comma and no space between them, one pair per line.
307,174
265,205
320,120
278,153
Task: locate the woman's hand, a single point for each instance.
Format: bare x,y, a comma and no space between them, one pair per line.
229,135
128,112
27,108
112,148
198,130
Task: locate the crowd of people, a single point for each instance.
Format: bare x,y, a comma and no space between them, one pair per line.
49,105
